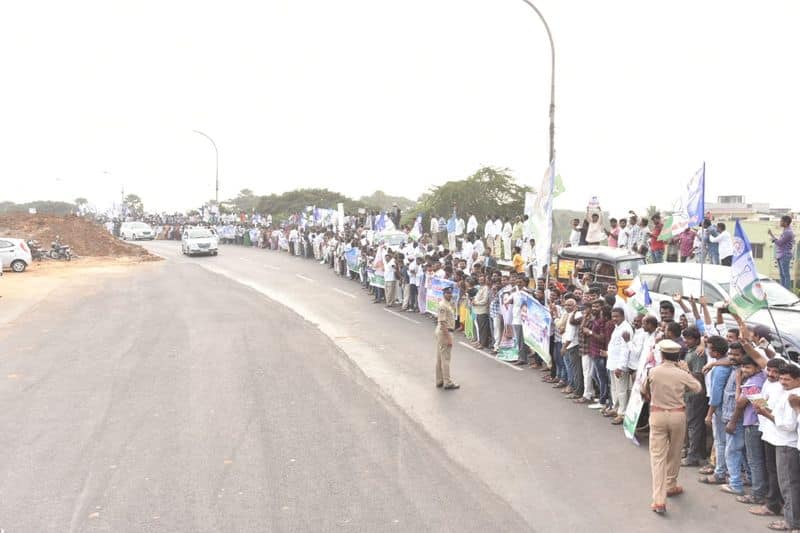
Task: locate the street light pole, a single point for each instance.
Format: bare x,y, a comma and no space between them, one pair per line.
216,166
552,81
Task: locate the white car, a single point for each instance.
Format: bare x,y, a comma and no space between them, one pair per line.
197,241
14,254
666,279
133,231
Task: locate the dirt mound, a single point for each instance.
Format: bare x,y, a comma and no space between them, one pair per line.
86,238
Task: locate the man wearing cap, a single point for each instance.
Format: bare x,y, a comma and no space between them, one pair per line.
445,324
664,388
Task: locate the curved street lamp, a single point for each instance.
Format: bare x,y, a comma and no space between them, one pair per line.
552,81
216,167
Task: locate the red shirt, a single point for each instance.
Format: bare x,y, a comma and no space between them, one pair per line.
655,244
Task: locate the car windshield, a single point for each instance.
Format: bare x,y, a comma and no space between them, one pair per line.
140,226
777,294
628,269
199,233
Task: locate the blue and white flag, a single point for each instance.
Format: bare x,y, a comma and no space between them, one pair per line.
646,291
696,197
380,224
747,294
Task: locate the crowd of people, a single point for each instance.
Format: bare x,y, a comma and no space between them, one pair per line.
740,415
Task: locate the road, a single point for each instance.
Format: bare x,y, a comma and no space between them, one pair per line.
254,391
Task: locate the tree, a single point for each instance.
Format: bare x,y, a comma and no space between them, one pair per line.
283,205
379,200
81,201
488,192
245,200
134,204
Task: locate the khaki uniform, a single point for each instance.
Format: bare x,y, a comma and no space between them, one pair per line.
666,385
445,324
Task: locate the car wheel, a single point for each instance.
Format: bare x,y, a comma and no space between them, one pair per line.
214,253
18,266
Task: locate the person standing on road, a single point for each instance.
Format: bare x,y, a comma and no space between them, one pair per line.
665,388
445,325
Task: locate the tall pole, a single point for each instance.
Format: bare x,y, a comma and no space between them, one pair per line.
552,153
216,166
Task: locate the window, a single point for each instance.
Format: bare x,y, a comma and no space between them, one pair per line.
670,285
758,250
5,244
650,279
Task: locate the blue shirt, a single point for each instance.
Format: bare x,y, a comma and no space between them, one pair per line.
719,377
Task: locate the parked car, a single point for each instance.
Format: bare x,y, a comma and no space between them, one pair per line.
133,231
666,279
14,254
199,241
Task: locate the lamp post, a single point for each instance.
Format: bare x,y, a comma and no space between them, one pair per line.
216,166
552,81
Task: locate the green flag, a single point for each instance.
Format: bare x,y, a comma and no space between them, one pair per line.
558,186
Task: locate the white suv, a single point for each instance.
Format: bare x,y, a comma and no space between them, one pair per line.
197,241
136,230
14,254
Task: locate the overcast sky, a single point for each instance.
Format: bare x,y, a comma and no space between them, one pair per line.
358,95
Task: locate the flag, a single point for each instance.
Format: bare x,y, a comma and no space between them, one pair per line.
747,294
416,231
380,224
639,300
558,186
541,216
689,209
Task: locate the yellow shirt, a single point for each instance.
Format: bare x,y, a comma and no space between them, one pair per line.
519,264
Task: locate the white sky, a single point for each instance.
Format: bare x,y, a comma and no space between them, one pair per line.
356,95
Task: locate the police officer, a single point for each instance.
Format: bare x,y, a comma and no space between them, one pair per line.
445,325
664,388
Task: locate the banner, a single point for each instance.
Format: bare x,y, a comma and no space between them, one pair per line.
536,323
539,208
352,257
375,280
507,348
636,403
433,294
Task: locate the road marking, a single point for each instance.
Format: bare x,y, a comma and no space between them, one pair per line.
513,367
272,267
304,278
345,293
401,316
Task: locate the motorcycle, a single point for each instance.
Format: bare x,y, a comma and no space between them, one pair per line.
37,253
60,251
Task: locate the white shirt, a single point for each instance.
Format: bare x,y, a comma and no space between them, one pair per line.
498,227
516,309
619,348
507,230
569,332
772,392
623,237
574,237
725,244
785,419
489,229
412,273
648,344
460,226
388,273
472,224
466,251
479,247
637,342
434,225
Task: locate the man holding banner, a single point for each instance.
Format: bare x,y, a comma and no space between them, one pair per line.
445,325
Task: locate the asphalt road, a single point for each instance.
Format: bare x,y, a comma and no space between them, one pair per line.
190,398
174,399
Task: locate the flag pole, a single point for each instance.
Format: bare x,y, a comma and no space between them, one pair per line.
777,331
703,240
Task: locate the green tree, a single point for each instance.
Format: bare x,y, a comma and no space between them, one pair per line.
282,205
380,200
81,201
245,200
134,203
488,192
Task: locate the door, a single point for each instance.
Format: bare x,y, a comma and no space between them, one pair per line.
6,252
